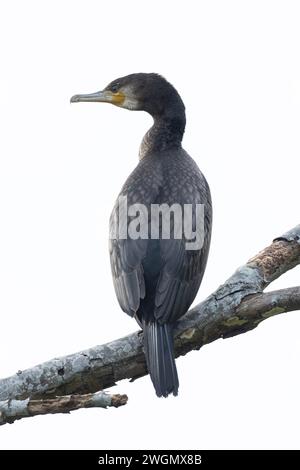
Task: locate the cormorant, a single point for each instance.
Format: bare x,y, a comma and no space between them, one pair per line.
156,278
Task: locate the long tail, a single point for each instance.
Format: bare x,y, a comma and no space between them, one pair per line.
158,342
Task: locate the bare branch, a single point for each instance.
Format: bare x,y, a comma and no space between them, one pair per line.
235,307
12,410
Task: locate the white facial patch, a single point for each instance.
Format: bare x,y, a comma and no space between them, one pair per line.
130,102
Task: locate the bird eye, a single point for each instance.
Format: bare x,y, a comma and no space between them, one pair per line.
114,88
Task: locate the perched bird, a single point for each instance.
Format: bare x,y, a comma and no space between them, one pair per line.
156,278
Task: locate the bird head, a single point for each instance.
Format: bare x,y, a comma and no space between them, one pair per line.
148,92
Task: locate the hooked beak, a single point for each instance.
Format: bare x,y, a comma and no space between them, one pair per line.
104,96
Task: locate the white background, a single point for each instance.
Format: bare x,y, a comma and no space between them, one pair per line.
236,65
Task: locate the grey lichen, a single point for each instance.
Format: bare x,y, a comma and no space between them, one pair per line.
291,235
101,399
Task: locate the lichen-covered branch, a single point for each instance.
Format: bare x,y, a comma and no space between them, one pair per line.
237,306
12,410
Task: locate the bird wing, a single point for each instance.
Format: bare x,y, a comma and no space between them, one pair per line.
126,255
127,271
180,277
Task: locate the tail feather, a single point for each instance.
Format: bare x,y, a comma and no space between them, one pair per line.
158,342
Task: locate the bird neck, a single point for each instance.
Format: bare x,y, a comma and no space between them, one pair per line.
166,133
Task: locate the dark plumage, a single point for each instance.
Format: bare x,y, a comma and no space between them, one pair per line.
156,280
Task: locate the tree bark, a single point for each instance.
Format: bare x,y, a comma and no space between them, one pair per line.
12,410
237,306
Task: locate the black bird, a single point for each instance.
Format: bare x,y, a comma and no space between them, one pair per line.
156,278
